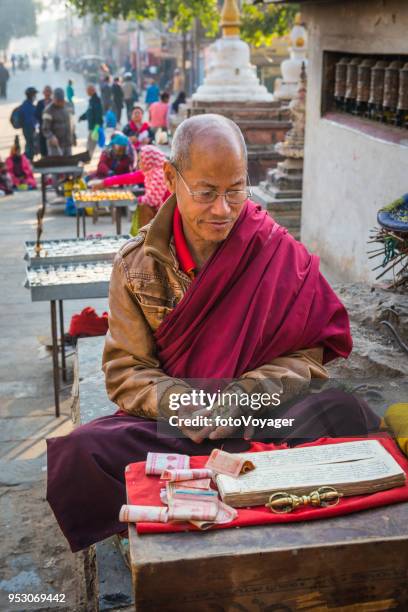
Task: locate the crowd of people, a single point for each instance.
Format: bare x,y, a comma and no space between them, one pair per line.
125,125
53,115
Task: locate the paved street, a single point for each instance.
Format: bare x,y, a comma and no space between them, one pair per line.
19,82
35,555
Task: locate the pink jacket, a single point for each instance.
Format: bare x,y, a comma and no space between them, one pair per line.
153,178
28,177
132,178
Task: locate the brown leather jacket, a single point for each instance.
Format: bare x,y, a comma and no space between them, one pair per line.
146,284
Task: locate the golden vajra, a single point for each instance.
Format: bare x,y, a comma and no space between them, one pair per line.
283,503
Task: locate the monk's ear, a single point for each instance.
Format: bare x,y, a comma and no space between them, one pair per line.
170,176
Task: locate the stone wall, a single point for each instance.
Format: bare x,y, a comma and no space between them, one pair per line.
350,173
263,125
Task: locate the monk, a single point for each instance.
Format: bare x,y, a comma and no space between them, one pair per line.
212,289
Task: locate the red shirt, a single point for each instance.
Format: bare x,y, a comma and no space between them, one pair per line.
186,261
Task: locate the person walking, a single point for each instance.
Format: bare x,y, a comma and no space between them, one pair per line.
29,121
152,93
130,94
70,92
39,110
93,115
56,125
158,113
4,77
106,94
13,64
177,84
117,99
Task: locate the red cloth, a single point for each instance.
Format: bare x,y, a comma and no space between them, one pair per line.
259,296
145,490
185,259
88,323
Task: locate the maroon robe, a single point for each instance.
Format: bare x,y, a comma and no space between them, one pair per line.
259,296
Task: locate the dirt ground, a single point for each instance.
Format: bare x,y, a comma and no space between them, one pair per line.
35,557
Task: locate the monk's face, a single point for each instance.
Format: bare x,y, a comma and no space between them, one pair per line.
215,164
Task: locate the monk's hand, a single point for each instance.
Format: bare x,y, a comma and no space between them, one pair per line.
226,431
235,412
165,410
195,433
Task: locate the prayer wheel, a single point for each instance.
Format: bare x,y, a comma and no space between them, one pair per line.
363,85
391,82
377,88
351,83
340,81
402,106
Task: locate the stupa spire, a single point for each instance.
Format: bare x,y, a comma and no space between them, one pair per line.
230,76
230,18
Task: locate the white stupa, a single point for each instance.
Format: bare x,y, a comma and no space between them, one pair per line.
292,67
230,76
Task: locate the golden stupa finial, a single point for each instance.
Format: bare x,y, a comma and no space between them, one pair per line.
230,18
297,35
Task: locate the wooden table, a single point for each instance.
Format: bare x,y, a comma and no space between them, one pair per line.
355,562
317,565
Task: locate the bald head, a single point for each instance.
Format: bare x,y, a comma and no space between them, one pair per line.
207,132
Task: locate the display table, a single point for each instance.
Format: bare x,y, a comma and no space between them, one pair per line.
69,170
69,270
353,562
114,199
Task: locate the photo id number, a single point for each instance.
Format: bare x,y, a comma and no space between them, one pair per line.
36,597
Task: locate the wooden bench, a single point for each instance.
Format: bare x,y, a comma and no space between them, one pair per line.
356,562
109,584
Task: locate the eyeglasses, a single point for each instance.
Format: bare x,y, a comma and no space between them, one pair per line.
234,196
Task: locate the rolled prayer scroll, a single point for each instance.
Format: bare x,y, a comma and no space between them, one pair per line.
200,483
179,492
225,514
192,474
222,462
143,514
183,510
156,463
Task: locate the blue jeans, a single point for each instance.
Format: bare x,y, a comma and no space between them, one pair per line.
29,133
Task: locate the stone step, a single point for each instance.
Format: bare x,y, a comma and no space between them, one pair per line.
266,200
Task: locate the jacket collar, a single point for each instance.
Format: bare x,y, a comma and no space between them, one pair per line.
159,234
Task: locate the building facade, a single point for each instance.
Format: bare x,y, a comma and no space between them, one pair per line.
356,160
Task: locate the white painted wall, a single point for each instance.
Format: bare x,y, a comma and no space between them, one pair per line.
349,175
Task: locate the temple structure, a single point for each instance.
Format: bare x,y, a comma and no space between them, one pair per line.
232,88
291,67
281,192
